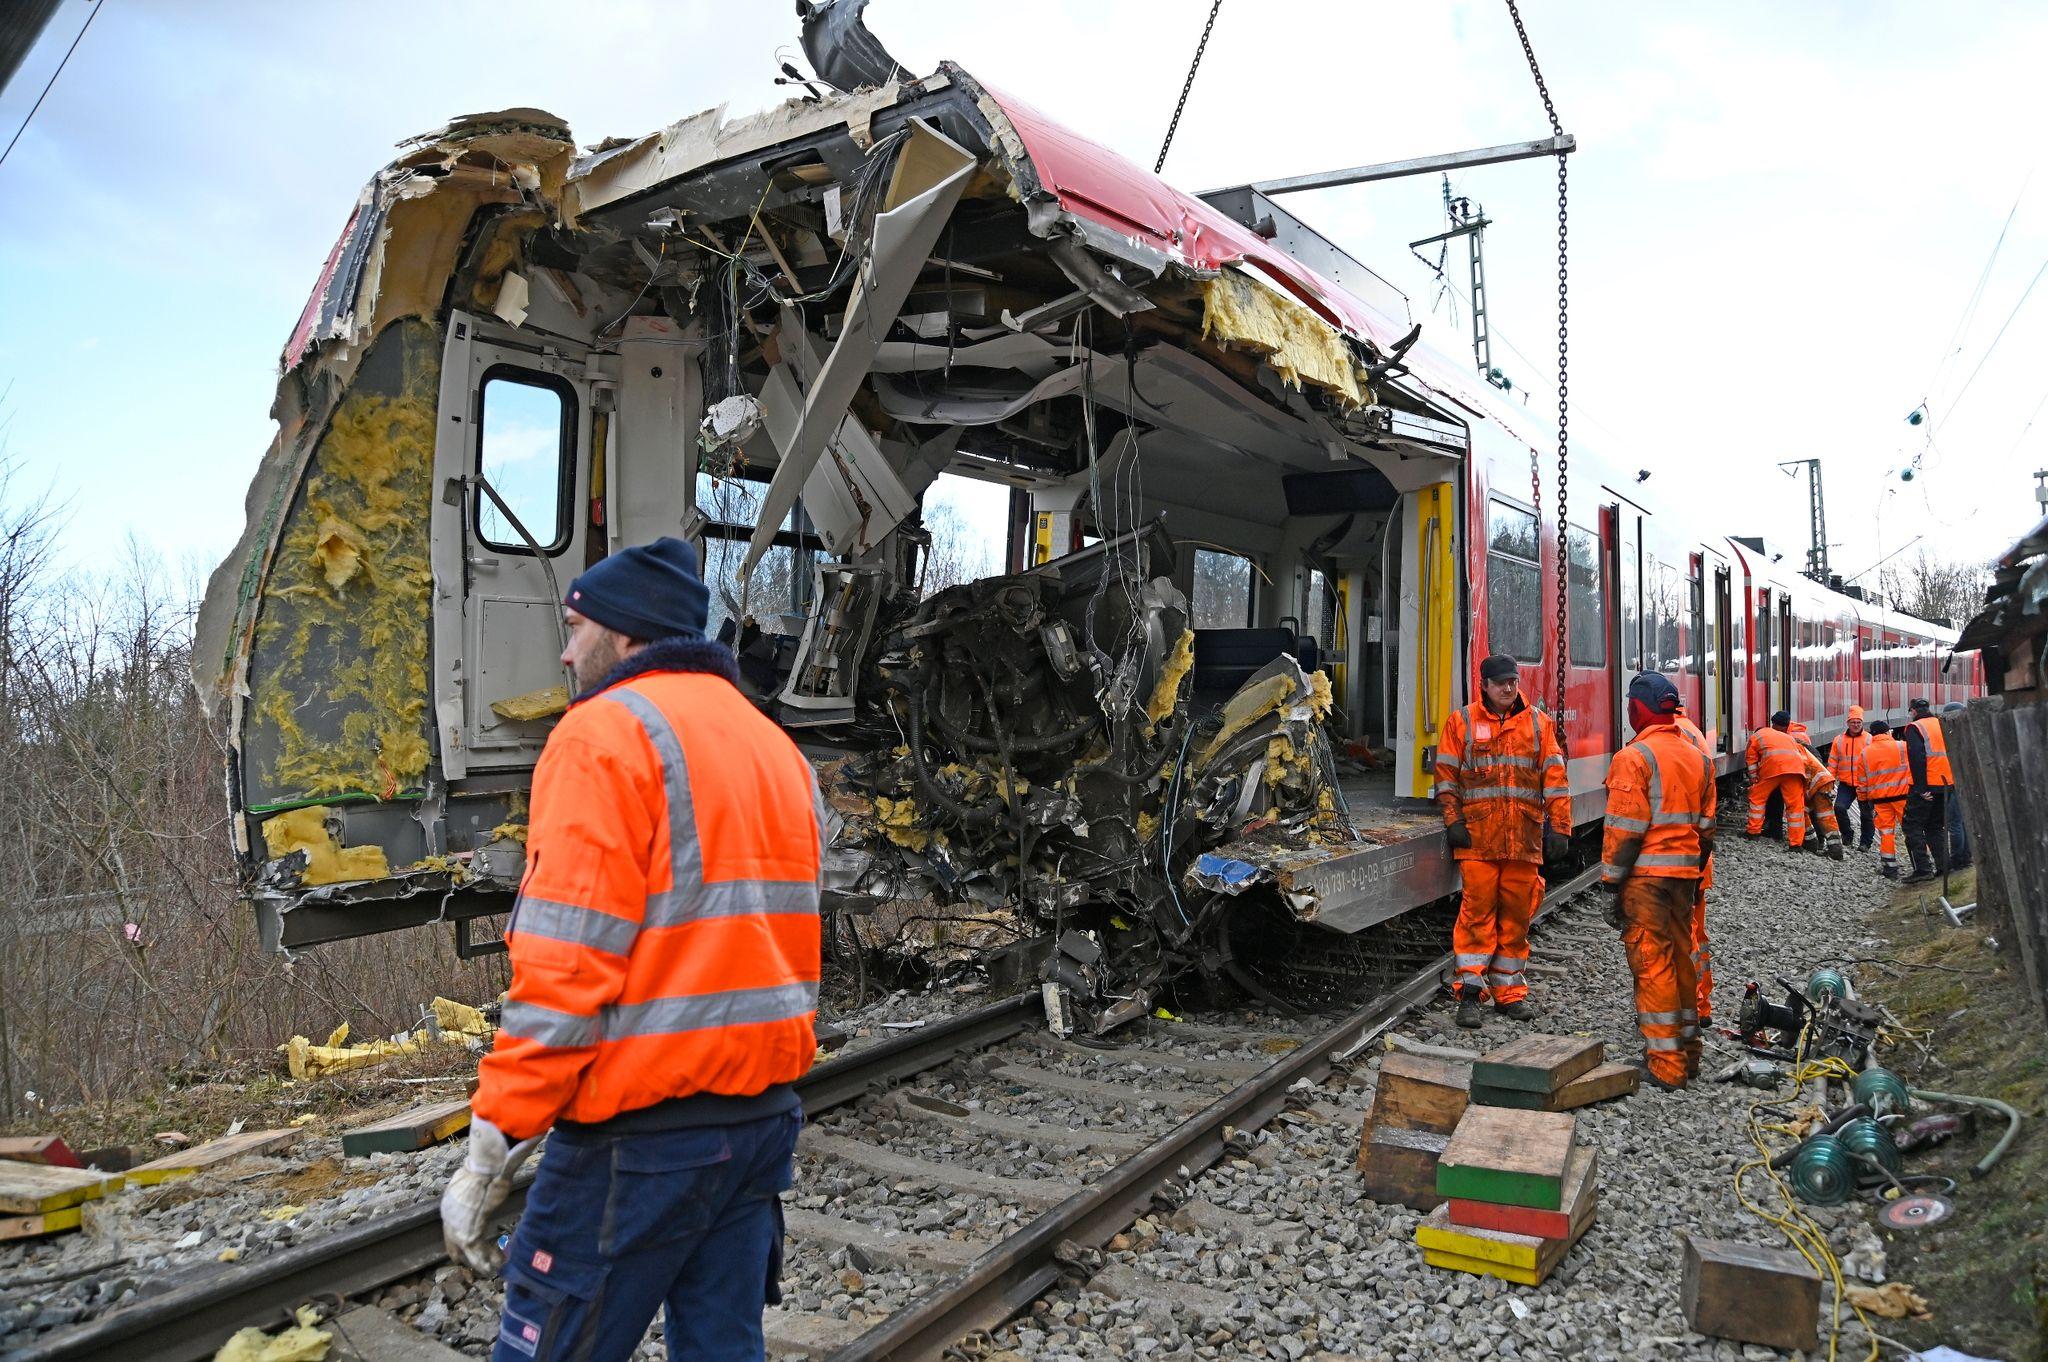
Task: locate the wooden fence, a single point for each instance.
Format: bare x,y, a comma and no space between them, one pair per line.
1999,746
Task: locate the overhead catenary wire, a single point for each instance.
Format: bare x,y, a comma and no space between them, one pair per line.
52,82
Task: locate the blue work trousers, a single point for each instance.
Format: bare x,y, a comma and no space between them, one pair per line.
1866,821
1958,836
619,1226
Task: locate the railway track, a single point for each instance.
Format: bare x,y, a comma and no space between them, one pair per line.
1102,1136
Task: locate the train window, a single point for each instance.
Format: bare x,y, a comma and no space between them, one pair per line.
780,583
1631,600
1514,605
1664,610
1588,601
525,449
1223,590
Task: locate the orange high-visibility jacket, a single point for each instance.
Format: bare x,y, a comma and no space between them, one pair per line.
1886,776
1660,807
1845,758
1774,752
665,940
1818,777
1504,777
1938,770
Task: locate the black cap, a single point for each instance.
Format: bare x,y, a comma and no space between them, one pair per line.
1877,727
1919,705
1655,691
646,592
1781,718
1499,667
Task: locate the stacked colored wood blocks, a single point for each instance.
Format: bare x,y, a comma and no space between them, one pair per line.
1505,1167
1550,1073
38,1198
1418,1103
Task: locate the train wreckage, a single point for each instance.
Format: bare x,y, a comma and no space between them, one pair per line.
774,334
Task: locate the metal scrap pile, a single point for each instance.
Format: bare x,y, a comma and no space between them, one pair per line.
1037,756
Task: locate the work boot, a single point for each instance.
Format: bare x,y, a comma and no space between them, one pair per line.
1795,847
1468,1009
1920,876
1650,1078
1518,1010
1834,849
1752,836
1891,872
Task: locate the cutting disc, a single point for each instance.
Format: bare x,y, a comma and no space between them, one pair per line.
1915,1212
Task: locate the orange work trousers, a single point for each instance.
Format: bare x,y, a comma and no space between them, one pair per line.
1702,955
1822,812
1657,933
1491,937
1888,815
1793,788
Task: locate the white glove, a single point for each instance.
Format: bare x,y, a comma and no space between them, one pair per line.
478,1188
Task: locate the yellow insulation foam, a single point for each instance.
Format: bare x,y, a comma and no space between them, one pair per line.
1300,346
327,861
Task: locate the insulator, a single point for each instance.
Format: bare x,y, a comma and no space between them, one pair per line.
1864,1138
1821,1173
1883,1090
1828,983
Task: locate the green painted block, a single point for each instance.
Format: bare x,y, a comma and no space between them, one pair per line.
1511,1097
1534,1190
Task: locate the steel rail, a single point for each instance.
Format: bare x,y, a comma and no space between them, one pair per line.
189,1323
1024,1266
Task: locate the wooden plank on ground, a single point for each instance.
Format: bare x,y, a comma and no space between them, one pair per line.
1398,1167
1537,1063
1597,1085
895,1248
1122,1094
38,1189
1581,1194
418,1128
1515,1158
1119,1056
186,1162
1750,1294
920,1106
44,1149
48,1222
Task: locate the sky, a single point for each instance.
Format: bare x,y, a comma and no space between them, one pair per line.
1780,214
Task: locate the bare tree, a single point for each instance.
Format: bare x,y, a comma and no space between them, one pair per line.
1945,591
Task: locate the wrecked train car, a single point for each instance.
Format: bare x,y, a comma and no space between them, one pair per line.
1245,509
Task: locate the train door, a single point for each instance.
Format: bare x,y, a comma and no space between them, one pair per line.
1722,643
1782,659
1424,669
510,460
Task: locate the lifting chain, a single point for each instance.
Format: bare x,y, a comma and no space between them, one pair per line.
1563,403
1188,86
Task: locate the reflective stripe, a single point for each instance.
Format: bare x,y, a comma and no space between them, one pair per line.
1516,792
1627,824
1658,1018
734,898
704,1011
576,925
1669,858
561,1030
685,858
1504,964
1612,873
1518,763
1454,763
1661,1043
1688,1014
1445,787
1553,760
1474,961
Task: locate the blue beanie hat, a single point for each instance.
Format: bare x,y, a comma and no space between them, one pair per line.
1655,691
646,592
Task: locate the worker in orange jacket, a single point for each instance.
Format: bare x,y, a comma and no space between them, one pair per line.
1776,767
1934,785
664,952
1500,781
1702,946
1845,759
1658,841
1887,781
1820,804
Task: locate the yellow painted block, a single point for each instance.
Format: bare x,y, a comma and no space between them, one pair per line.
49,1222
1458,1262
1495,1246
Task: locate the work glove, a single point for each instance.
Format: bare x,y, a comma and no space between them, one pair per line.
478,1188
1615,917
1458,835
1556,846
